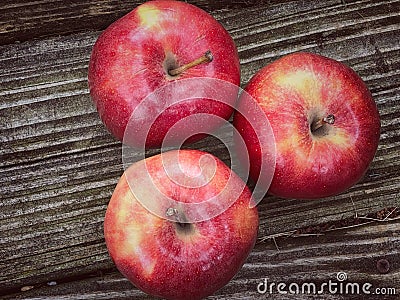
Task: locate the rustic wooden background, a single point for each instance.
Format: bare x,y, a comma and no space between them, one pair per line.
59,166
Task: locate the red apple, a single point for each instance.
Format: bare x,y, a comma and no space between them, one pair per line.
183,228
325,122
157,44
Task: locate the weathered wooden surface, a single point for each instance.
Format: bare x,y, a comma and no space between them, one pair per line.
299,260
24,20
59,166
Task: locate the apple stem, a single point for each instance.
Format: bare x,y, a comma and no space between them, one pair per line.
329,119
206,57
171,211
180,221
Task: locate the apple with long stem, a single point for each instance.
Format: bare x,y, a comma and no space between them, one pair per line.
180,224
157,44
325,123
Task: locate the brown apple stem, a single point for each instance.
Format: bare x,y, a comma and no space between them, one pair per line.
329,119
173,212
206,57
181,223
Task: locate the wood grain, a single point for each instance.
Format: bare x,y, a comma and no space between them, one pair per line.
300,260
23,20
59,166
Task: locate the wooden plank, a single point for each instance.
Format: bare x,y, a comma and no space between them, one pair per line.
58,165
299,260
23,20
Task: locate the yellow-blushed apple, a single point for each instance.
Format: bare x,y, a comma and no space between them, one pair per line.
160,250
325,123
156,44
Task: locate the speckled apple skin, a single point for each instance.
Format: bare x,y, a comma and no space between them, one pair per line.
161,260
128,63
294,90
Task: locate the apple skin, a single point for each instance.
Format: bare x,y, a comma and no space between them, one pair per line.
165,259
295,92
132,57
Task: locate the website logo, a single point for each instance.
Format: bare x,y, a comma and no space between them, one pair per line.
338,286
